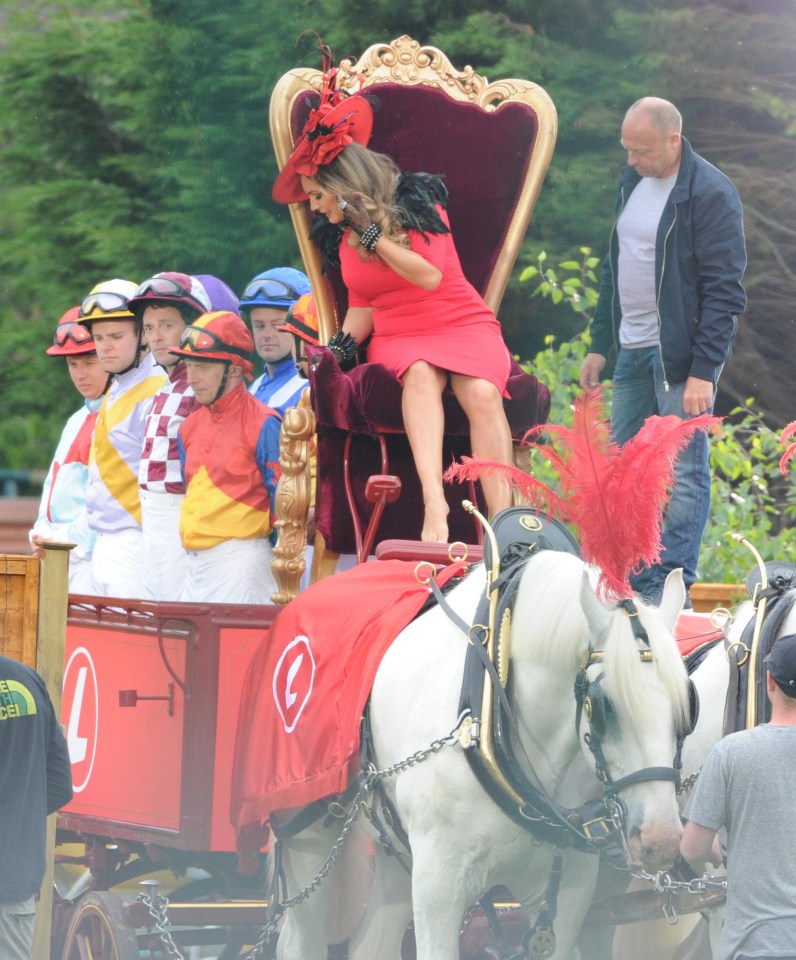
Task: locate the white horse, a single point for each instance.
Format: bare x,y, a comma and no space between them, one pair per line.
461,842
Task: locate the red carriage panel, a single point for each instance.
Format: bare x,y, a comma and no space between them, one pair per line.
150,708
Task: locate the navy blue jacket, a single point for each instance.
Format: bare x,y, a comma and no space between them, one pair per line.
35,777
700,258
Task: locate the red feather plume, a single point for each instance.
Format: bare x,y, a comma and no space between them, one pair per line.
613,495
787,456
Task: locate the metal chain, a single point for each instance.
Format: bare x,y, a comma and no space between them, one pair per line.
664,885
371,778
158,910
689,781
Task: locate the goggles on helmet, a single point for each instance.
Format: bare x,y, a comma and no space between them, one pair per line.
198,340
106,302
71,333
270,290
166,287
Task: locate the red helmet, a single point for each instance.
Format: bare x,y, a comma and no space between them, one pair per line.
220,335
71,339
173,289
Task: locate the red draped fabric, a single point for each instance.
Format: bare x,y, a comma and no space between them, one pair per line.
308,683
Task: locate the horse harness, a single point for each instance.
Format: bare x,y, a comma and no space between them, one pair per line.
489,722
772,590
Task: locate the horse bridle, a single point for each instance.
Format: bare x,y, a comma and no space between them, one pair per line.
592,702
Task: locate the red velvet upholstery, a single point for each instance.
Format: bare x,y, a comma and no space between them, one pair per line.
416,126
483,157
367,401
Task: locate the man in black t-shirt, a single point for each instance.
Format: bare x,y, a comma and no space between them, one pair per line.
35,780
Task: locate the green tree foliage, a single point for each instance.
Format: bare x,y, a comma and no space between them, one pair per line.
134,138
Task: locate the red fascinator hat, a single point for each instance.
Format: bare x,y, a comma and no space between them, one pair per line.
337,121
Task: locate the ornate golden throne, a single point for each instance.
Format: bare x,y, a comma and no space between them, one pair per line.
493,143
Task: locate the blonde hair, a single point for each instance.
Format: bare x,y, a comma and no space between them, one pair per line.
372,176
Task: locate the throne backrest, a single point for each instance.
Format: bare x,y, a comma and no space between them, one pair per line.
493,143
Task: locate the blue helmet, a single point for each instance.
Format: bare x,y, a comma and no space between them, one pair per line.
279,287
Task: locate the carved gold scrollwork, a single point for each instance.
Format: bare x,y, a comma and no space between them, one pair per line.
405,61
293,499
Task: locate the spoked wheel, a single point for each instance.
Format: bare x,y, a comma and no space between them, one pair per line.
98,930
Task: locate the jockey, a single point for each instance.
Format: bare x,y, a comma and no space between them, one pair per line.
62,513
263,306
302,322
164,305
112,499
229,450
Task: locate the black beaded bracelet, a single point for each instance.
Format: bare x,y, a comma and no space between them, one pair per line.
370,237
344,347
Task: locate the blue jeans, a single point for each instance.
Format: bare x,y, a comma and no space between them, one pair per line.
638,393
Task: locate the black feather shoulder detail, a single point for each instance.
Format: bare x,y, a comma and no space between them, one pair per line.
416,197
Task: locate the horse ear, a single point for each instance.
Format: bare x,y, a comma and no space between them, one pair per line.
673,598
597,616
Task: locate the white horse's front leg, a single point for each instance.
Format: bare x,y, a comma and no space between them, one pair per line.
439,899
309,926
389,911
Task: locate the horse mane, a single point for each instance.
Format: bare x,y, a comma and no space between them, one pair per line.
624,674
551,630
550,626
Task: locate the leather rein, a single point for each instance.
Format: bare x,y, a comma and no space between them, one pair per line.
491,743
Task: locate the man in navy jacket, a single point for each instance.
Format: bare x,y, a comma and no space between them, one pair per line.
670,296
35,780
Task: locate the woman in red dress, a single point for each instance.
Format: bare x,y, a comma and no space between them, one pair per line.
406,290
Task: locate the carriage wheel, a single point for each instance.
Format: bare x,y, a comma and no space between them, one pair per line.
98,930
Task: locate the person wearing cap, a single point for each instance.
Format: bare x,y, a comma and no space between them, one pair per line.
112,495
62,512
264,306
229,450
165,304
389,234
746,786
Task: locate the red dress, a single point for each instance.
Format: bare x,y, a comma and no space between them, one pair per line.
450,327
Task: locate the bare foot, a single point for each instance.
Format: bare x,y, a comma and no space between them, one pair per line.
435,523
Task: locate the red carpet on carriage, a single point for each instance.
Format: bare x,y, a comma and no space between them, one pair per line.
308,684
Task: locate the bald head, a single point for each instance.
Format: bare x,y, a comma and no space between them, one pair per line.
651,136
661,114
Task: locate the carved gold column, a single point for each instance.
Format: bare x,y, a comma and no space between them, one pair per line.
293,495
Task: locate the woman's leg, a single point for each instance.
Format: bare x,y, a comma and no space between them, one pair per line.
490,435
424,422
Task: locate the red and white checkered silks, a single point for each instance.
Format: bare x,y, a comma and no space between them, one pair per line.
159,471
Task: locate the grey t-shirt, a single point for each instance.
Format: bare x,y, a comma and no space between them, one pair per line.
748,785
637,230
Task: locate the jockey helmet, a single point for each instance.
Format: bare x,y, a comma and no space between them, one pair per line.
71,339
278,287
108,301
219,336
178,290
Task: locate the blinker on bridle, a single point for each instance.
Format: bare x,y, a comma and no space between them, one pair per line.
592,703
